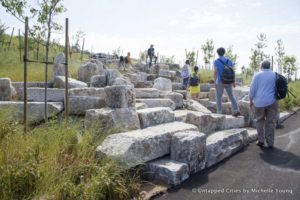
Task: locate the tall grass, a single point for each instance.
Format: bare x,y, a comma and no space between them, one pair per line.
289,102
12,66
57,162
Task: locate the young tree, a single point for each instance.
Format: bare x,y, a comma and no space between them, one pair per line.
260,46
191,56
43,14
208,52
3,28
254,60
232,56
279,51
77,38
289,66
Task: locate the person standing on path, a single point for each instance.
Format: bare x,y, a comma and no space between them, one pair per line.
262,97
185,74
219,66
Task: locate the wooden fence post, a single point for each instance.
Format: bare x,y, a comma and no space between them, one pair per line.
66,72
25,73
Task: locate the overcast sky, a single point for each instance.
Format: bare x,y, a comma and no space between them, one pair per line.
174,25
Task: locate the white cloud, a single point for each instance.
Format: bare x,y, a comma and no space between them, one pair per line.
255,3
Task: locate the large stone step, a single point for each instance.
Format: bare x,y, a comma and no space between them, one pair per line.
142,93
158,102
223,144
78,105
154,116
35,110
38,94
167,171
139,146
209,123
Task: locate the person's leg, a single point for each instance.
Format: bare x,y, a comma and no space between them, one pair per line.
185,83
219,94
271,116
150,61
260,123
235,108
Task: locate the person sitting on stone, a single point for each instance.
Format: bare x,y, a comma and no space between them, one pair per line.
128,59
121,63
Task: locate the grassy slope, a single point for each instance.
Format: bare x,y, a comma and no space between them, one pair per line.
11,66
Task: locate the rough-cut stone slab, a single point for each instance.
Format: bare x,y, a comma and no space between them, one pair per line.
147,84
35,110
7,91
168,171
121,81
151,103
163,84
59,66
154,116
112,75
120,96
91,91
180,115
221,145
177,98
59,82
247,112
176,86
196,106
78,105
89,69
212,95
139,106
169,73
155,68
238,92
143,93
212,106
98,81
139,146
38,94
233,122
203,95
252,134
189,148
205,87
206,123
183,92
104,119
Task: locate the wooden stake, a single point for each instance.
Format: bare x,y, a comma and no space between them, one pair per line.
25,73
66,72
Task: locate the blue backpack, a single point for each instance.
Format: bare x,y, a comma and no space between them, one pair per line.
228,75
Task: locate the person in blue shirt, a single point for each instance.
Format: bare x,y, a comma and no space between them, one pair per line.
262,97
218,69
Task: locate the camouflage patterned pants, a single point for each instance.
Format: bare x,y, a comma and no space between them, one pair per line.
266,118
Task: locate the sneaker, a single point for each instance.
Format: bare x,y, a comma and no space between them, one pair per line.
260,144
236,114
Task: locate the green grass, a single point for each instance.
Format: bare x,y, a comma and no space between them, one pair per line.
57,162
289,102
11,66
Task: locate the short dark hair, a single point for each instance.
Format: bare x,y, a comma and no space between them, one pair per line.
187,62
221,51
196,68
265,64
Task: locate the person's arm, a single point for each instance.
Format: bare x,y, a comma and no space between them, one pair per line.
215,74
252,91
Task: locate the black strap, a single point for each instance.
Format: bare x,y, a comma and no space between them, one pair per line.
219,59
